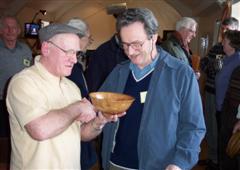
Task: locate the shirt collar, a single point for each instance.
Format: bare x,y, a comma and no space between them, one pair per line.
141,73
2,44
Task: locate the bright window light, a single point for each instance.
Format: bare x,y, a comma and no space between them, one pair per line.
236,11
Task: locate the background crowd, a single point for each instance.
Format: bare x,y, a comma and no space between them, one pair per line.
46,108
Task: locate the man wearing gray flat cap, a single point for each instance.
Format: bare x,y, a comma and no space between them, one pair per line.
48,117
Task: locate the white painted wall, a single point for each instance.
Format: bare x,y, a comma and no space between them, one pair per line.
236,11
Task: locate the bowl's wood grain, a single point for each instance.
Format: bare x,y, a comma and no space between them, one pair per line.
111,103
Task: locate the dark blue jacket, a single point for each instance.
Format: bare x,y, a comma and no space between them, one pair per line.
102,61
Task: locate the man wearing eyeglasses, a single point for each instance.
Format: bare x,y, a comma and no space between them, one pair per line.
163,128
47,114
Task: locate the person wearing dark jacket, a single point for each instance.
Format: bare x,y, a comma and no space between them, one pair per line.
102,61
88,152
177,43
231,116
211,65
231,47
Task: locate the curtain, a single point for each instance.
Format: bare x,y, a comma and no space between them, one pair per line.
226,14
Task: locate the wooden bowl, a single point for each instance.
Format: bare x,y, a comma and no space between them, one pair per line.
233,147
111,103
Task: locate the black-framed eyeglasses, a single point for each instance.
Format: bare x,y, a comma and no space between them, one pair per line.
136,45
68,53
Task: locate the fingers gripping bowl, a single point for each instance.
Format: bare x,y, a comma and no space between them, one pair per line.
111,103
233,147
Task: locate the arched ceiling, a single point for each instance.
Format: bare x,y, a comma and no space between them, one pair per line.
193,8
196,8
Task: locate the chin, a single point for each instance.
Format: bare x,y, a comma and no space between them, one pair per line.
68,73
134,61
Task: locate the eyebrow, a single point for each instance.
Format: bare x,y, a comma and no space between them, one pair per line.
64,50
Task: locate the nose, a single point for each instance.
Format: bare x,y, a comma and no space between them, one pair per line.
194,34
73,58
222,43
130,50
11,30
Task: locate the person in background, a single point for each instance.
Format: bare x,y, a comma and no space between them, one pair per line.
101,63
231,47
157,132
77,75
14,56
177,43
231,113
88,153
47,115
103,60
210,65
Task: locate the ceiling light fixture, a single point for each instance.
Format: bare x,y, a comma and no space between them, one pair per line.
42,11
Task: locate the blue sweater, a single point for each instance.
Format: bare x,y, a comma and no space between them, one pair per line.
223,77
172,124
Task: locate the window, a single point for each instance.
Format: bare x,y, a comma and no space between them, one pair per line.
236,11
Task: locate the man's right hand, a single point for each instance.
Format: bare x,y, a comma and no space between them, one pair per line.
87,111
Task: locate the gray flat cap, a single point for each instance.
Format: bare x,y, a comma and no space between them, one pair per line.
79,24
53,29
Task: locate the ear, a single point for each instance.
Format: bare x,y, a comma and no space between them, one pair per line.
18,31
44,49
154,38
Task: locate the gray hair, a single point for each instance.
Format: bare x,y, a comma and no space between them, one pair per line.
231,21
80,25
185,22
142,15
